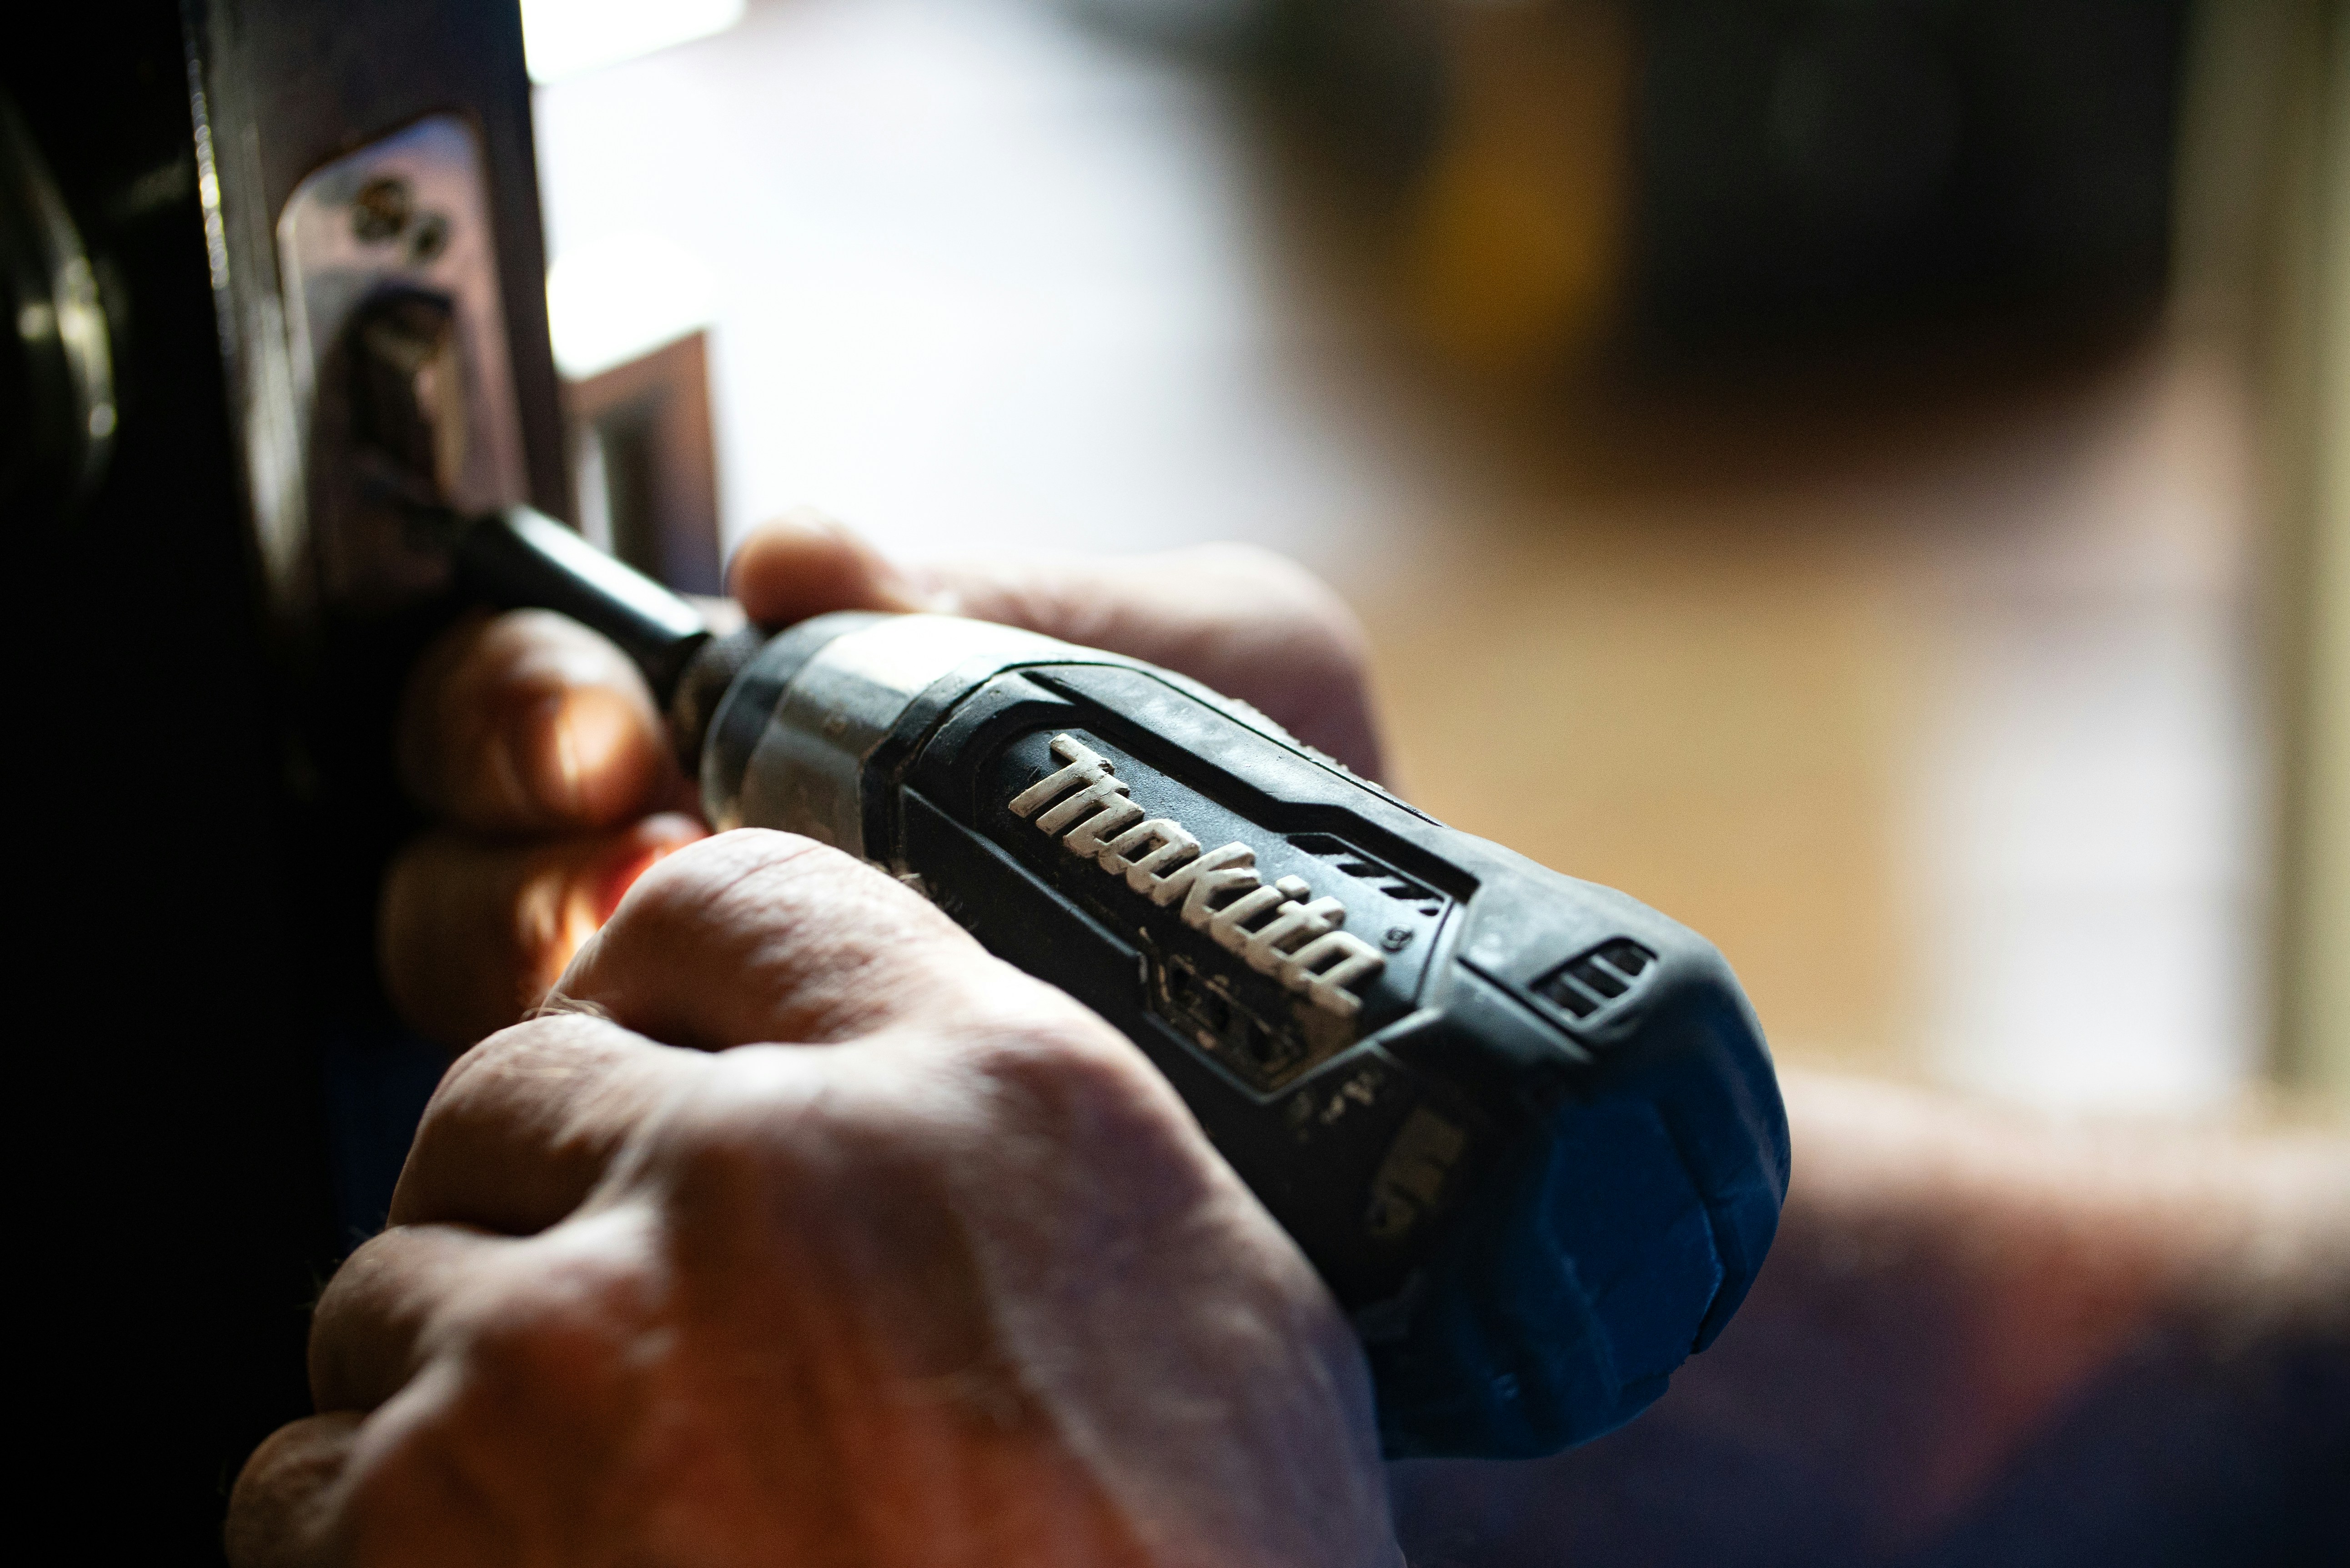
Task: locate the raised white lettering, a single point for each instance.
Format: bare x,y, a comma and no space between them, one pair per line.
1228,927
1103,791
1220,889
1218,874
1172,843
1085,764
1293,924
1091,837
1357,959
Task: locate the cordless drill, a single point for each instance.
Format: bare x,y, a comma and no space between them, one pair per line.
1526,1127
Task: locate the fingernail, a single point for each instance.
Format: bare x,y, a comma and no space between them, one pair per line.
930,597
573,741
891,589
547,756
512,756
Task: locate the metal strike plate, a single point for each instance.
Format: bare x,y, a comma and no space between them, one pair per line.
404,218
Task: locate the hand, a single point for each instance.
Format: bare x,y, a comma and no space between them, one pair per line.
536,742
952,1277
1979,1338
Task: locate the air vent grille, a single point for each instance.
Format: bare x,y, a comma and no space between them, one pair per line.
1352,862
1585,984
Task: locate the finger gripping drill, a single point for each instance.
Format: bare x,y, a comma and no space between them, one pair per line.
1526,1127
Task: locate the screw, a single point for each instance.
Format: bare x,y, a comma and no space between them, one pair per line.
1397,938
427,238
381,209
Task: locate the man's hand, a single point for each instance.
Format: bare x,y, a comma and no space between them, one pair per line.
1974,1333
1982,1339
536,743
947,1276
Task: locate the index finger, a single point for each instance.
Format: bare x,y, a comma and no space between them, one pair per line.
529,722
525,1123
749,937
755,937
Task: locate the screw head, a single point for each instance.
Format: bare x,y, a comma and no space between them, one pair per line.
381,209
427,238
1398,938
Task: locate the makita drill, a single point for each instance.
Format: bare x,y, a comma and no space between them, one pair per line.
1526,1127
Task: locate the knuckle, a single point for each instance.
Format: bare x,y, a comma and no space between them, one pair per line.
542,1379
475,1088
420,1492
457,1100
755,1116
683,891
450,1115
342,1308
810,941
560,1342
1062,1074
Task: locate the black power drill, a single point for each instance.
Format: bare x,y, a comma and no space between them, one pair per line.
1526,1127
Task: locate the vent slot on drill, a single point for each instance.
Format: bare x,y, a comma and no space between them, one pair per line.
1589,982
1352,862
1264,1055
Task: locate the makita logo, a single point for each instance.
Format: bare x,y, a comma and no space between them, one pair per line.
1298,943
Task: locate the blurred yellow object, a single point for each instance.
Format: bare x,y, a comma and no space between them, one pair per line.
2309,357
2263,264
1516,236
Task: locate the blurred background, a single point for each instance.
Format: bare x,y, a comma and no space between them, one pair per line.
1857,474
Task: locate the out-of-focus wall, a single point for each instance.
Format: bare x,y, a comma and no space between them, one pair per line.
1710,713
1926,681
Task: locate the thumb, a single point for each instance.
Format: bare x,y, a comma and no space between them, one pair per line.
805,564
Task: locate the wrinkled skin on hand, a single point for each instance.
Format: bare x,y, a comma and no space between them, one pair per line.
794,1228
1979,1338
802,1230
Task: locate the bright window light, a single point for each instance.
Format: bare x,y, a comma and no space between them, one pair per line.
614,299
566,38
